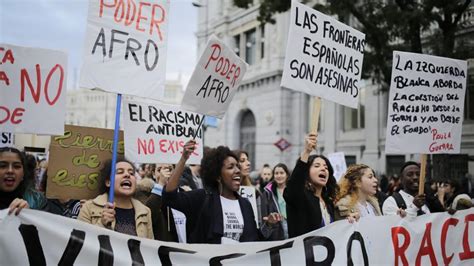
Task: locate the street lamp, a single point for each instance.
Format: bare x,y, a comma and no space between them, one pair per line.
199,5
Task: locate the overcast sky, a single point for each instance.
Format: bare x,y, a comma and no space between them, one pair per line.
61,25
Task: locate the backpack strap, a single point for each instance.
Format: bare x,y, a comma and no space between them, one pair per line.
399,200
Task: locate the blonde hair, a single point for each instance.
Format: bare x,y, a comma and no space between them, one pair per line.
348,183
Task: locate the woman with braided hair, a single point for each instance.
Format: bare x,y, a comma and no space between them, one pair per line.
356,196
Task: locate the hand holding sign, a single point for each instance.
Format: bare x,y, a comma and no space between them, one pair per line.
188,149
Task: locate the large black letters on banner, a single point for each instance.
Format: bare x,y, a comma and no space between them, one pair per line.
73,247
216,261
135,253
356,236
106,254
312,241
275,253
29,233
164,254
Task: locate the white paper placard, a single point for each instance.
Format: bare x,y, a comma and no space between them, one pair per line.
323,56
125,47
156,133
32,90
338,163
426,104
215,80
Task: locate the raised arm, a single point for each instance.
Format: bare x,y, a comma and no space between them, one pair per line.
173,182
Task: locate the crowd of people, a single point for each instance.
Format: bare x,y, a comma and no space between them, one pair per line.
201,203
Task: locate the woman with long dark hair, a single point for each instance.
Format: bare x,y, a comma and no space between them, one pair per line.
310,192
16,191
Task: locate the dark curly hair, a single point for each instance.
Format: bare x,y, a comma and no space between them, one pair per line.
104,173
212,163
331,188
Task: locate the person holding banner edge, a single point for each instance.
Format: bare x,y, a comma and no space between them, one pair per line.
216,214
126,215
16,193
310,191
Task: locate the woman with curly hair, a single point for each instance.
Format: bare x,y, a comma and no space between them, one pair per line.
216,214
356,197
310,192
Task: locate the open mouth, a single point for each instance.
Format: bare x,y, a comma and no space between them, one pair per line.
9,181
322,175
126,184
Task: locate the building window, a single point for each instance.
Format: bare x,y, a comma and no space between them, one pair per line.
262,41
355,118
237,45
350,160
248,135
394,164
469,101
250,46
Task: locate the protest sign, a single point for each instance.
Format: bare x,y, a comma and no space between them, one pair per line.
338,162
6,139
32,90
215,80
156,133
40,238
125,47
249,193
426,104
323,56
75,160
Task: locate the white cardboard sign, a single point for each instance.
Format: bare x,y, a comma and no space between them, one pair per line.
426,104
156,133
32,90
215,80
7,139
323,56
125,47
338,162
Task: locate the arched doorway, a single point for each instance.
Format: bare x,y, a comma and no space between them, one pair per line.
248,135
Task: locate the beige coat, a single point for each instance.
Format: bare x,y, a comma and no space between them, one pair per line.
91,213
344,207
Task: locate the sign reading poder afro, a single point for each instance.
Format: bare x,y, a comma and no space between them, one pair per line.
32,90
323,56
156,133
125,47
215,80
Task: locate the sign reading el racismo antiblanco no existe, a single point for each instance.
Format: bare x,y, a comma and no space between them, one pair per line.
156,133
125,47
32,90
426,104
215,80
323,56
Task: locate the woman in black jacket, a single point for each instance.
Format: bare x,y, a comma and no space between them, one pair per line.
216,214
310,192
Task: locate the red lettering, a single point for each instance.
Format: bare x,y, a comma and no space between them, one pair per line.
128,19
141,146
140,17
35,94
162,145
171,147
467,253
121,6
102,4
399,251
426,247
230,71
4,77
215,47
60,87
7,57
444,232
155,22
14,116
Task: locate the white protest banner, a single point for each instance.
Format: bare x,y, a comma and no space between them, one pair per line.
125,47
249,193
40,238
323,56
215,80
338,162
7,139
32,90
426,104
156,133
